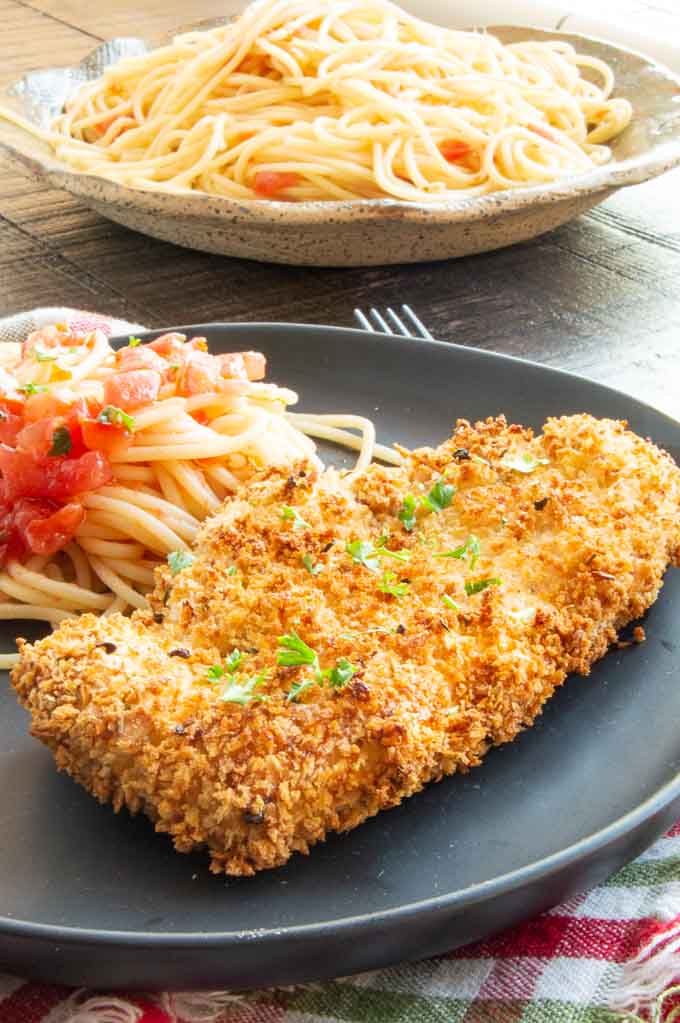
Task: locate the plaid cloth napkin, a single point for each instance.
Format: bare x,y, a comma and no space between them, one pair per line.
602,956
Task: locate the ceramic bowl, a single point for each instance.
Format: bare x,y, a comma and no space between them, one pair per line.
361,232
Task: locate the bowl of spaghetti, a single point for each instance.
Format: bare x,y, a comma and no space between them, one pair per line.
320,133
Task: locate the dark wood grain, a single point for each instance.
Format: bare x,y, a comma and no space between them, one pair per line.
599,296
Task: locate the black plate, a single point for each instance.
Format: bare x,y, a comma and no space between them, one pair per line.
92,898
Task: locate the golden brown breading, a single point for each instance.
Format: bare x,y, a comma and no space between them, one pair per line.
578,525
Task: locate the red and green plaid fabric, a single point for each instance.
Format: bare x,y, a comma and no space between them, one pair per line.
565,966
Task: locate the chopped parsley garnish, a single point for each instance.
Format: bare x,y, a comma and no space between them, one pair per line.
232,570
232,661
340,675
524,462
364,553
134,341
61,442
116,417
407,512
215,673
298,688
470,550
388,585
293,515
440,496
33,388
42,356
243,691
450,602
480,584
177,560
294,652
308,562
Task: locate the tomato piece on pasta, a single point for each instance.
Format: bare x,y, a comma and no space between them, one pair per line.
130,390
57,479
168,344
44,530
105,437
269,184
454,149
10,424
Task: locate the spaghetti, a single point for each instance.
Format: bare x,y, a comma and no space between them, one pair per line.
328,100
110,460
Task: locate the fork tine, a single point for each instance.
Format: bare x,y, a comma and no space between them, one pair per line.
420,327
380,320
399,324
364,323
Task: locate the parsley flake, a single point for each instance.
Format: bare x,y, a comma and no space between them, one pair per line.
524,462
308,562
61,442
177,560
232,661
288,513
340,675
298,688
243,692
439,497
116,417
480,584
450,602
470,550
294,651
42,356
33,388
407,512
133,342
215,673
388,585
364,553
232,570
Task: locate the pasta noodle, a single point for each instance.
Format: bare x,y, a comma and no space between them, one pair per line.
329,100
168,463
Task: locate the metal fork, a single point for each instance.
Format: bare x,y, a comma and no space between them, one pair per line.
396,325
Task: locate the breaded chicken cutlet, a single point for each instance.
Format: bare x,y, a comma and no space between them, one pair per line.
339,641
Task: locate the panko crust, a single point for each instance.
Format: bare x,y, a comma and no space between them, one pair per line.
580,544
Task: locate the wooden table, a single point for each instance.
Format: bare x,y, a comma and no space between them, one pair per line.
600,296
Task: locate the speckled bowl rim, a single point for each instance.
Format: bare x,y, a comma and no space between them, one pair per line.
20,145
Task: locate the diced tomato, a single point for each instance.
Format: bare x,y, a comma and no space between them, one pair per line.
199,373
141,357
77,475
256,365
454,149
10,424
105,437
39,527
200,417
243,365
269,184
47,535
22,474
57,479
45,405
38,437
130,390
232,366
168,344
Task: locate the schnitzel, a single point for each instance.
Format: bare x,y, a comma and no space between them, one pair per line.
335,642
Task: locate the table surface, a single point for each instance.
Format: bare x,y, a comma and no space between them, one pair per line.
600,296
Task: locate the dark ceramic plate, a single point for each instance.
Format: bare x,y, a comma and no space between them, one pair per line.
91,898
